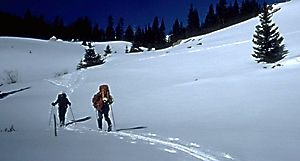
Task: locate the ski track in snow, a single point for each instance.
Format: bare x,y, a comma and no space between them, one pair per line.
172,145
196,50
72,81
69,82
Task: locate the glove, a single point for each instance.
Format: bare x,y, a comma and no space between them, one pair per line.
105,99
53,104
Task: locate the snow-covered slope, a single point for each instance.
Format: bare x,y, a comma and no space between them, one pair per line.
208,101
35,59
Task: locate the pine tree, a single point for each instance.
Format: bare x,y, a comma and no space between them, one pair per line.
211,19
233,11
222,11
138,36
107,50
120,30
129,34
178,31
236,9
268,46
126,49
96,33
155,31
161,35
175,31
193,26
110,32
28,24
91,58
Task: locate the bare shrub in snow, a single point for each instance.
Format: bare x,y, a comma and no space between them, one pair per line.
10,76
11,129
58,74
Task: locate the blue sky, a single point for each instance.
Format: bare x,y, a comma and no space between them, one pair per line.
134,12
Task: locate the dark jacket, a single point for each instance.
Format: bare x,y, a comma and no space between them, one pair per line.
62,101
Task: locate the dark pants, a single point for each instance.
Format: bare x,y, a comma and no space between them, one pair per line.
104,111
61,113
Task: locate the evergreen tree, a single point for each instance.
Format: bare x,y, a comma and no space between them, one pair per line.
126,49
96,33
129,35
245,9
61,29
249,9
255,8
222,11
268,46
211,19
87,29
155,31
182,30
190,19
28,24
91,58
120,30
149,38
138,37
162,35
107,50
81,29
236,9
110,32
55,26
233,11
193,27
175,31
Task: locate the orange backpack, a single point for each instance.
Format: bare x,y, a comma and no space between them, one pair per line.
98,98
104,91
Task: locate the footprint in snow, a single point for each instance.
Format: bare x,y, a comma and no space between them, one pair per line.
174,139
195,145
151,134
170,151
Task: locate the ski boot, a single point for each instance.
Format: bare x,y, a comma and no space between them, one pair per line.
109,128
62,123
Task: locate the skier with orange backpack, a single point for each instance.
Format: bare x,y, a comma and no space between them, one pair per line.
101,102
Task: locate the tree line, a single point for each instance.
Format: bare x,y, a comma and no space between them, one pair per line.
224,14
151,36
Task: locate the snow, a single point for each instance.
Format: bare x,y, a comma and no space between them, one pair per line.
209,102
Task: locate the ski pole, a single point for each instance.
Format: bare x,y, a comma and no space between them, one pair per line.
112,113
50,115
97,123
96,113
55,129
72,114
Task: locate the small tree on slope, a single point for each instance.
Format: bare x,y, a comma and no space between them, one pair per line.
91,58
107,50
268,46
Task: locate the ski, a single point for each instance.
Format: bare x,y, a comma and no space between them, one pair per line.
78,120
132,128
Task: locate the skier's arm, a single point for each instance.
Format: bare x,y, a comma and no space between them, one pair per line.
54,103
110,99
69,103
